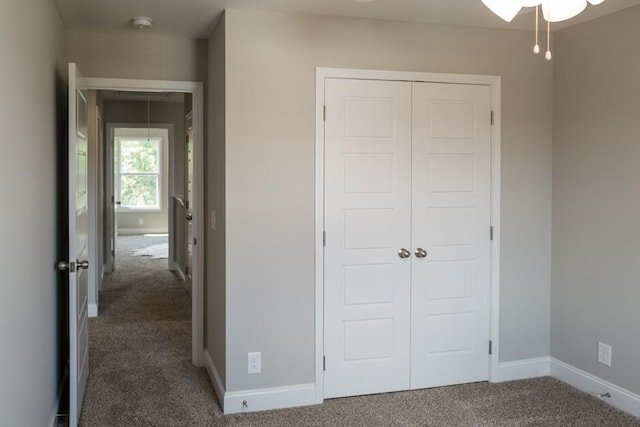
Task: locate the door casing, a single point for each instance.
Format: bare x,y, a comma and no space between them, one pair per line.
494,82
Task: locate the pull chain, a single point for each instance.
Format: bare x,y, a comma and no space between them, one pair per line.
547,55
536,47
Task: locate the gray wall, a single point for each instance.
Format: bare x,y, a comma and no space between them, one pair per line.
215,176
596,201
131,55
33,74
270,137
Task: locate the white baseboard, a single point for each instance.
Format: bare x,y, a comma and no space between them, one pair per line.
214,376
262,399
179,272
93,310
108,268
590,384
270,398
130,231
522,369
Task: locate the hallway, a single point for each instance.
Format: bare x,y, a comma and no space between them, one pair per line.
140,370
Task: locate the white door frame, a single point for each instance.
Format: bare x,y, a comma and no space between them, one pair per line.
341,73
197,89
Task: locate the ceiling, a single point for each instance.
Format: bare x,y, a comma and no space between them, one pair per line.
196,18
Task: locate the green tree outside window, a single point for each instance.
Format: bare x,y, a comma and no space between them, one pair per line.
138,172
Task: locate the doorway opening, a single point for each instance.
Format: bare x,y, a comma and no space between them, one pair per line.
147,173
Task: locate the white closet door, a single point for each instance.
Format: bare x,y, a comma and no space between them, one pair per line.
367,221
451,219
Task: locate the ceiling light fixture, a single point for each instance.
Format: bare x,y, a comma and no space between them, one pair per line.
552,11
141,23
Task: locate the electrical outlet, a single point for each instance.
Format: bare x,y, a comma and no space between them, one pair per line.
604,354
255,363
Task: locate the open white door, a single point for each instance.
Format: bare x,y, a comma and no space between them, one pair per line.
189,199
78,245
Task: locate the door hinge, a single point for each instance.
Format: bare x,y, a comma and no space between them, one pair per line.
324,113
491,233
324,238
324,363
492,118
490,347
195,242
113,253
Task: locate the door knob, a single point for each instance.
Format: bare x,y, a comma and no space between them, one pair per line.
62,265
189,217
421,253
84,265
404,253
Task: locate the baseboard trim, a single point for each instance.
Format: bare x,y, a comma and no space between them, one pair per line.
522,369
214,376
130,231
270,398
93,310
179,272
620,398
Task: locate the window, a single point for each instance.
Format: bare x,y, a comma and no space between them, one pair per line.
137,172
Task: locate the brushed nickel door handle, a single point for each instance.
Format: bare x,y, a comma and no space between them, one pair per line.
404,253
421,253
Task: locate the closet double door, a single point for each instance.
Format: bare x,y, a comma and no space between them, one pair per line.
407,223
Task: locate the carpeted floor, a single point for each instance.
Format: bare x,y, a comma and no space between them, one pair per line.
140,374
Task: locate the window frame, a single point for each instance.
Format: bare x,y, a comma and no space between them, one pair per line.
118,174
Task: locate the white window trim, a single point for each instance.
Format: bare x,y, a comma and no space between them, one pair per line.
118,174
160,131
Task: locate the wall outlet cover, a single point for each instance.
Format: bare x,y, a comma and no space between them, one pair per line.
255,362
604,354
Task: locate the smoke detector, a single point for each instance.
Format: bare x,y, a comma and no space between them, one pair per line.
141,23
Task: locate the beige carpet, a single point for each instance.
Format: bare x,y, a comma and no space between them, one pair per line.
140,374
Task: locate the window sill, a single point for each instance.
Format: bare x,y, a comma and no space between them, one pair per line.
139,210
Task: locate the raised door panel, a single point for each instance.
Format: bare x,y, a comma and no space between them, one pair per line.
367,220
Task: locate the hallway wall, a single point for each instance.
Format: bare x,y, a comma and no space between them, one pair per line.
130,55
34,75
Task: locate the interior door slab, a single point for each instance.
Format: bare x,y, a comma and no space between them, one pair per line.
451,181
367,221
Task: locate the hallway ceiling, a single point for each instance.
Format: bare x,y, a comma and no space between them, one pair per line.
196,18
